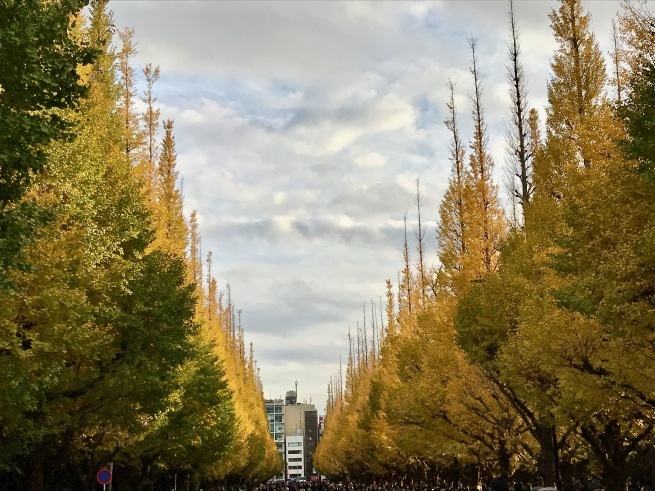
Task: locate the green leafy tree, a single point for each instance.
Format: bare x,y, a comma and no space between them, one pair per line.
170,225
38,80
132,136
101,357
485,218
147,169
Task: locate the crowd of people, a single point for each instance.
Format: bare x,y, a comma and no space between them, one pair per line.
494,484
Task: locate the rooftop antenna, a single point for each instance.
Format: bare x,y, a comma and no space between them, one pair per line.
296,383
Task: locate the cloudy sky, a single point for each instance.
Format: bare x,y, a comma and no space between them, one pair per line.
301,129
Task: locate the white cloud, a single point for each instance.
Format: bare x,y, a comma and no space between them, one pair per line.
407,183
279,197
370,160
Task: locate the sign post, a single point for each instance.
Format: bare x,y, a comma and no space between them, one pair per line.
104,477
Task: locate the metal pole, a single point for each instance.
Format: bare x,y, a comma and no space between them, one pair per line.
175,482
111,469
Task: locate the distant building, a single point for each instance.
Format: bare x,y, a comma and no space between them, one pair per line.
275,416
310,438
294,428
295,456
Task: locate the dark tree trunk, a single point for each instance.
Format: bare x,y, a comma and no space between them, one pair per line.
612,446
36,473
504,457
547,455
615,479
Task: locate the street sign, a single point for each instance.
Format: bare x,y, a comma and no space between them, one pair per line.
104,476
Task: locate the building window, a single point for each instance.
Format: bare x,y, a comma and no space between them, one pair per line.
278,418
278,409
294,452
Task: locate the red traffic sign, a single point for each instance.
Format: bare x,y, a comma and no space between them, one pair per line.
104,476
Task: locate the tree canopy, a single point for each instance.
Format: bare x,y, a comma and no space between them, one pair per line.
531,356
108,353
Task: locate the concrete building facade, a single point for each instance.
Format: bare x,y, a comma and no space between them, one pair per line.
295,456
294,428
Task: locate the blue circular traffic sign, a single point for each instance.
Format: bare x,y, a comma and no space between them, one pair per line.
104,476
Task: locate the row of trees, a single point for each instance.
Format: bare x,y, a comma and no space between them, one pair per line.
528,349
116,345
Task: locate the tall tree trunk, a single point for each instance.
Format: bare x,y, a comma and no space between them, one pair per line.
547,455
504,456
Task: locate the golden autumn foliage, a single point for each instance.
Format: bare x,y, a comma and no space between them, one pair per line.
532,358
109,350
